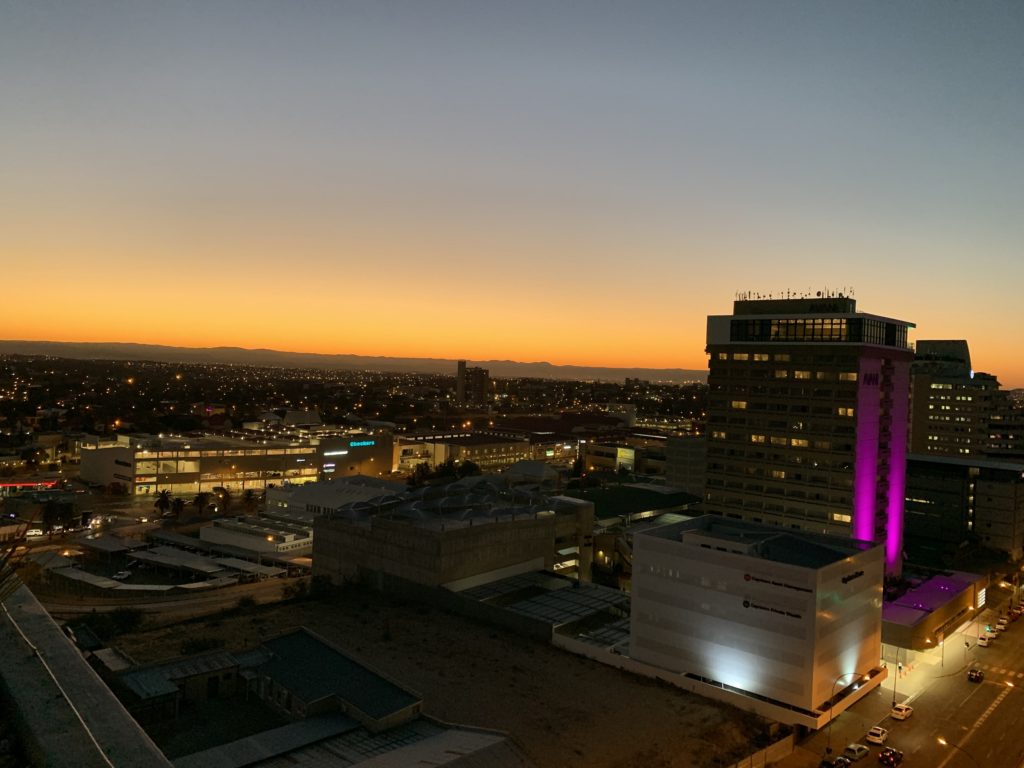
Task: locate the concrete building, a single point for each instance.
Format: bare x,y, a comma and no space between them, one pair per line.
955,501
952,406
785,619
807,418
468,532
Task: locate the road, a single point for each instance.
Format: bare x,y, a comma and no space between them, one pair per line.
982,723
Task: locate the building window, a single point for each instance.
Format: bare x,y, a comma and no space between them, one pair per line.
760,356
781,374
845,411
848,376
799,442
741,356
757,438
801,374
741,404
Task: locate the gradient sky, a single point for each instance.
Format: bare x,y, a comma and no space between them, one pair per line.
576,182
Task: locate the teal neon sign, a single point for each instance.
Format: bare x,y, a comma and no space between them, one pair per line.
361,443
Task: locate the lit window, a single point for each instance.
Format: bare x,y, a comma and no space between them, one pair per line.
741,356
799,442
781,374
845,411
782,357
760,356
757,438
741,404
841,518
848,376
779,474
723,355
801,374
718,435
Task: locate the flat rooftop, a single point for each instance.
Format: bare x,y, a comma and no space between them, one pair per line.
781,545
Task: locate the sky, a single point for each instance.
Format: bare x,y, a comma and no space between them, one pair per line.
574,182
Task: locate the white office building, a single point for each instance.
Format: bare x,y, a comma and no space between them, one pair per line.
788,622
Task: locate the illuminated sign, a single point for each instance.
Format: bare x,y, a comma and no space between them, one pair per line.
335,453
360,444
549,452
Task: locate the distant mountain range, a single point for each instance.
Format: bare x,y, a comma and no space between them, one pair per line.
274,358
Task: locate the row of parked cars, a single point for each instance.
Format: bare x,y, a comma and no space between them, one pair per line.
888,756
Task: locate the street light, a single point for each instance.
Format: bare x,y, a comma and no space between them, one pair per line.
832,703
945,743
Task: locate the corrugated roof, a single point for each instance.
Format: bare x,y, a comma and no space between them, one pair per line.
313,670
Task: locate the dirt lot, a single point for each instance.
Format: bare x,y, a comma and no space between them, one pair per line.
561,709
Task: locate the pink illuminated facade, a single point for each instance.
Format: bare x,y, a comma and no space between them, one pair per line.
807,418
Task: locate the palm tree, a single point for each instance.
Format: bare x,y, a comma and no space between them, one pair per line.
163,502
178,508
201,502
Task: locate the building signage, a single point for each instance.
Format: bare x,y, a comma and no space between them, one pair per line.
361,443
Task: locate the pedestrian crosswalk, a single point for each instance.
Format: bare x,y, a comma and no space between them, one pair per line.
999,670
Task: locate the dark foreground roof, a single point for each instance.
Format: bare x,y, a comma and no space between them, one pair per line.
313,670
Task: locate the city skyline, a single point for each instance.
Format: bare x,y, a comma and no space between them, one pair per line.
579,185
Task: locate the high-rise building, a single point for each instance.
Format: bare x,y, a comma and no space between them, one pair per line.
471,384
807,418
952,407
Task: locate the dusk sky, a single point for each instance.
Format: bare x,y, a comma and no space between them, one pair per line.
576,182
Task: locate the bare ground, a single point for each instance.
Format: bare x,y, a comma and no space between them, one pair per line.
562,710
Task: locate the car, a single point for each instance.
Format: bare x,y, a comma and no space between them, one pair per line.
890,756
975,675
122,575
901,712
877,735
855,752
985,641
835,762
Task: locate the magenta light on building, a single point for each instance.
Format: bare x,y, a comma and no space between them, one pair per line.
807,417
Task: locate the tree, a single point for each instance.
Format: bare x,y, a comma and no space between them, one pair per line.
201,502
163,502
223,499
178,508
468,469
419,475
250,501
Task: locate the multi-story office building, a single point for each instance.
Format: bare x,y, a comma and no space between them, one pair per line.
790,621
807,418
188,465
488,451
954,501
952,407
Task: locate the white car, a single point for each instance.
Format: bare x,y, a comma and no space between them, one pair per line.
877,735
901,712
122,575
855,752
986,640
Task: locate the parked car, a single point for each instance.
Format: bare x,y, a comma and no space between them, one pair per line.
122,575
855,752
984,641
890,756
975,675
901,712
877,735
1002,623
835,762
